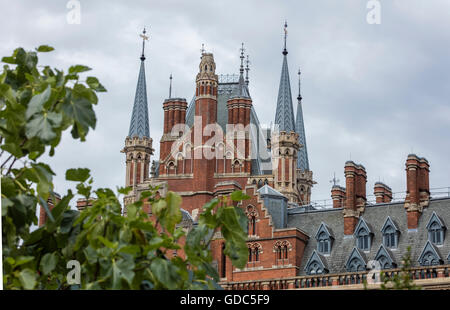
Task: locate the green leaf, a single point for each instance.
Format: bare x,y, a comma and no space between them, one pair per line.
165,272
36,104
122,269
95,84
44,48
21,260
106,242
234,234
42,125
239,196
78,69
48,263
171,215
69,217
28,279
13,148
78,175
80,110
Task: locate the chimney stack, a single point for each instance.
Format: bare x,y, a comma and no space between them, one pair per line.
355,179
338,196
417,188
382,192
82,204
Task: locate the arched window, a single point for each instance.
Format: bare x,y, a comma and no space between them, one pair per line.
254,252
314,268
390,237
429,259
251,220
223,270
253,223
315,265
363,235
323,245
390,234
429,256
436,229
384,258
355,262
279,252
436,233
363,239
356,265
324,239
281,249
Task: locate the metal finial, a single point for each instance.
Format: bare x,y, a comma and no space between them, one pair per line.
202,50
334,180
144,38
170,86
299,84
242,59
285,37
247,62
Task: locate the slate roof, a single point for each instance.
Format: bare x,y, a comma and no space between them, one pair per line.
139,125
375,216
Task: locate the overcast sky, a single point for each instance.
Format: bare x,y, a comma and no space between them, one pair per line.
371,93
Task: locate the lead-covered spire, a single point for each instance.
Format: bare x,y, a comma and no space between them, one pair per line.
284,116
302,159
139,125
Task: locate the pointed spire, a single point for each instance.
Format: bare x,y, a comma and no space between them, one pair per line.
284,116
139,125
247,62
302,159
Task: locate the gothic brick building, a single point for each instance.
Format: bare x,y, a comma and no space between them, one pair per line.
214,144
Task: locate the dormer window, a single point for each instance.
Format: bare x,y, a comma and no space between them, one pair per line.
324,239
390,234
323,243
355,262
315,265
429,256
363,239
363,235
436,229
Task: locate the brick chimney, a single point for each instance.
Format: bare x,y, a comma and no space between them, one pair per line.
51,204
338,196
82,203
417,188
355,179
382,192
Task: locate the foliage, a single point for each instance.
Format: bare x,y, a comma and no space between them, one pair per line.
402,280
37,104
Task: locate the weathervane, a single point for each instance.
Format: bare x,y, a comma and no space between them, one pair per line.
144,38
285,37
334,180
170,86
299,94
